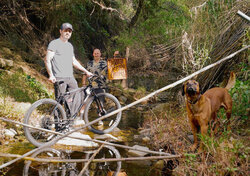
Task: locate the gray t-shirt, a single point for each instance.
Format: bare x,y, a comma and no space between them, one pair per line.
62,63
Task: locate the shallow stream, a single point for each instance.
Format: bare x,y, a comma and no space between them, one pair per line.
131,168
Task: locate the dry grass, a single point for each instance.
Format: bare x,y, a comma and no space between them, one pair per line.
167,126
225,153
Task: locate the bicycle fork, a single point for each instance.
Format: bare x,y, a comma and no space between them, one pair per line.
100,109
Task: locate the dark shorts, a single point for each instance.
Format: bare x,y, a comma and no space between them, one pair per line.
67,84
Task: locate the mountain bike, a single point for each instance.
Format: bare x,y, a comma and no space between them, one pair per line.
72,168
55,114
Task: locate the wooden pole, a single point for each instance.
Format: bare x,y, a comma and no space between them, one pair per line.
90,160
243,15
125,81
94,160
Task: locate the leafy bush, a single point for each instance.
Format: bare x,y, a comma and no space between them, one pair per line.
241,99
21,87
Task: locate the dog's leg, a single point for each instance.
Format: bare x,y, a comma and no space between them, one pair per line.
216,123
228,114
204,129
195,131
228,108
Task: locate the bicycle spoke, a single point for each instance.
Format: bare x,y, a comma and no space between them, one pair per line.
103,168
45,169
103,105
43,114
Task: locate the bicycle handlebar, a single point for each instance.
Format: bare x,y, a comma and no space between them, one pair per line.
90,79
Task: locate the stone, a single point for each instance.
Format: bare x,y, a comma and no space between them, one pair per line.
6,64
146,139
145,132
136,152
123,99
159,164
79,122
138,138
191,138
116,131
105,137
77,142
22,106
10,132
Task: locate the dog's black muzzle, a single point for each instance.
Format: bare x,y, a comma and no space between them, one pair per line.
191,91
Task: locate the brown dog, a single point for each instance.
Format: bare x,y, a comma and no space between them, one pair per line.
202,109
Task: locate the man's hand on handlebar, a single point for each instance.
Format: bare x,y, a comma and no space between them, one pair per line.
89,74
94,77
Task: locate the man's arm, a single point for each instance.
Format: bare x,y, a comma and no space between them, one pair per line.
49,56
77,65
84,78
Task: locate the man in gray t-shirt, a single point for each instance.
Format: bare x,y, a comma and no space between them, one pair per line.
60,60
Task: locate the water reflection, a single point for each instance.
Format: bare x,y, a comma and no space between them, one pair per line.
103,168
73,168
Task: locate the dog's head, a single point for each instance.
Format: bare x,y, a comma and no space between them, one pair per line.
191,88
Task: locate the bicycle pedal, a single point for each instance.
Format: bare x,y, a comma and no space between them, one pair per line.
50,137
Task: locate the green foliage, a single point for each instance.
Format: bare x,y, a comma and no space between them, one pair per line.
37,87
190,157
228,152
160,20
241,98
21,87
215,7
200,59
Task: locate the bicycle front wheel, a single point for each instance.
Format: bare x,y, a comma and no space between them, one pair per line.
44,113
105,168
108,103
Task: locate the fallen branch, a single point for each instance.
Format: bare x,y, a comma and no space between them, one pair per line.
94,160
90,160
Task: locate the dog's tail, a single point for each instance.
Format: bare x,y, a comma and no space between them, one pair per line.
231,81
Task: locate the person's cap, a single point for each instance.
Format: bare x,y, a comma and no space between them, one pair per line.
66,26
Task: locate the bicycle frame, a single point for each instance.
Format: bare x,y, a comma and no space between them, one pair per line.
88,92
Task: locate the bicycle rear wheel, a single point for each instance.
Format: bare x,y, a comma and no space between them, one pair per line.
45,168
109,104
44,113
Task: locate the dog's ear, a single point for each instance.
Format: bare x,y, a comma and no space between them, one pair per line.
200,89
183,91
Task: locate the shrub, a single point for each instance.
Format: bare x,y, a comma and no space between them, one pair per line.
21,87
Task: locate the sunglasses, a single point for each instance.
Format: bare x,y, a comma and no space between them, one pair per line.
67,30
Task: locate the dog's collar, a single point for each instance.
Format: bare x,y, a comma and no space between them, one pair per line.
195,101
